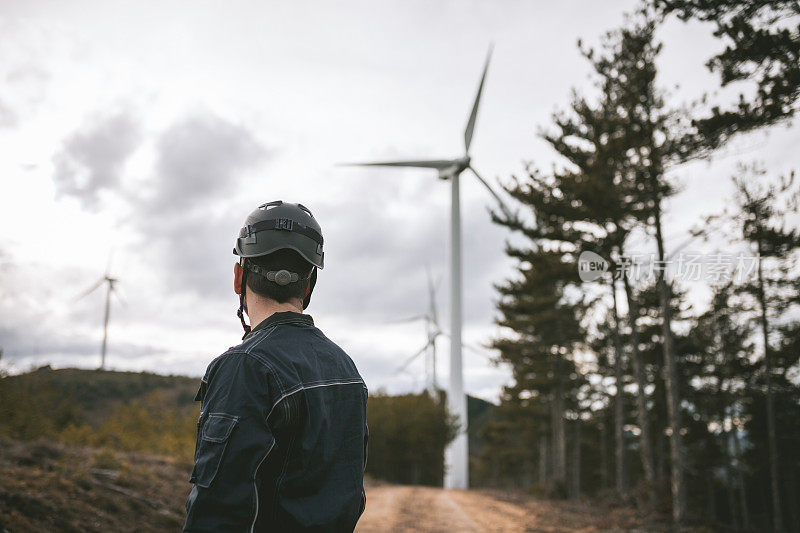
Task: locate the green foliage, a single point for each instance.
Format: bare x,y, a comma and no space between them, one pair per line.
148,425
123,411
97,392
407,437
617,147
762,43
408,433
35,408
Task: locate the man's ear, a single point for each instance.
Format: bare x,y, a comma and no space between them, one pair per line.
237,278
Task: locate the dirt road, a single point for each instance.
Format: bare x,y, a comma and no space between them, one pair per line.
426,509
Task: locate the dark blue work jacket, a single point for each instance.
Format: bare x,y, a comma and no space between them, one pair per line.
282,434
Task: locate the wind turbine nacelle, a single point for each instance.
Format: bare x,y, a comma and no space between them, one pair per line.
458,166
449,172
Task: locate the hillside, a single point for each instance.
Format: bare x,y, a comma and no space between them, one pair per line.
52,487
121,411
88,450
96,392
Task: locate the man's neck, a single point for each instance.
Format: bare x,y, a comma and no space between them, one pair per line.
259,309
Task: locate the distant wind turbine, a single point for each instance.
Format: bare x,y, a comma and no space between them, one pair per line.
429,349
457,453
109,289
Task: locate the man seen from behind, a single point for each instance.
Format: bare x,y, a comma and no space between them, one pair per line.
282,434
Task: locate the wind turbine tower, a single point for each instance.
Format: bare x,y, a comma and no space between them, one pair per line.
457,452
433,331
109,289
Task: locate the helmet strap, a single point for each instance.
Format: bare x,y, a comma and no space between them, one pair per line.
242,301
312,281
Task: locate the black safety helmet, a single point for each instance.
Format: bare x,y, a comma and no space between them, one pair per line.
279,226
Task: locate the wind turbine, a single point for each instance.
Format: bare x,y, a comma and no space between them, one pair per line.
109,289
429,349
457,452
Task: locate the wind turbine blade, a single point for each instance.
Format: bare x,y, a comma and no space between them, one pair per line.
91,289
118,295
407,319
469,347
503,207
430,163
411,359
432,297
474,114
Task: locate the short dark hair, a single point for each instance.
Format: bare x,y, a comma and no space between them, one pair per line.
280,260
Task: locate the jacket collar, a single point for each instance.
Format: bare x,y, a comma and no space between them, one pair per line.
285,317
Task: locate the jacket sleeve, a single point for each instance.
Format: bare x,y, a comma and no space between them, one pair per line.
232,443
364,471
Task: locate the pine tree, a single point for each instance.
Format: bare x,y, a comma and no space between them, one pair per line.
770,294
762,41
659,138
632,139
544,330
762,225
721,371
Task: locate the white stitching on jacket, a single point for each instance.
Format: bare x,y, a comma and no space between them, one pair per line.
255,487
305,387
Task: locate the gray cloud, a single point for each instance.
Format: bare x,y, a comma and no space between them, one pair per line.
199,158
27,309
181,214
379,239
23,89
20,345
8,118
200,164
376,260
92,159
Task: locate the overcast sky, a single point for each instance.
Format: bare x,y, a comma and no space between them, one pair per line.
148,132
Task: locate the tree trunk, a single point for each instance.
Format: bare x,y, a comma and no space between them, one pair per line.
659,423
728,412
677,484
771,442
559,436
712,503
730,480
744,512
794,515
731,486
560,440
603,455
619,406
576,460
543,477
642,416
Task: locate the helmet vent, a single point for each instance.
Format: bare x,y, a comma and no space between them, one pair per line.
304,208
270,205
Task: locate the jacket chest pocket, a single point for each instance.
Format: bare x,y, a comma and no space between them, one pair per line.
213,440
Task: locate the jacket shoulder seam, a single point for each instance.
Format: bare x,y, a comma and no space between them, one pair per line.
263,360
265,363
314,385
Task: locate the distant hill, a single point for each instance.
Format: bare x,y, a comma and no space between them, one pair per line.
123,411
96,393
155,414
